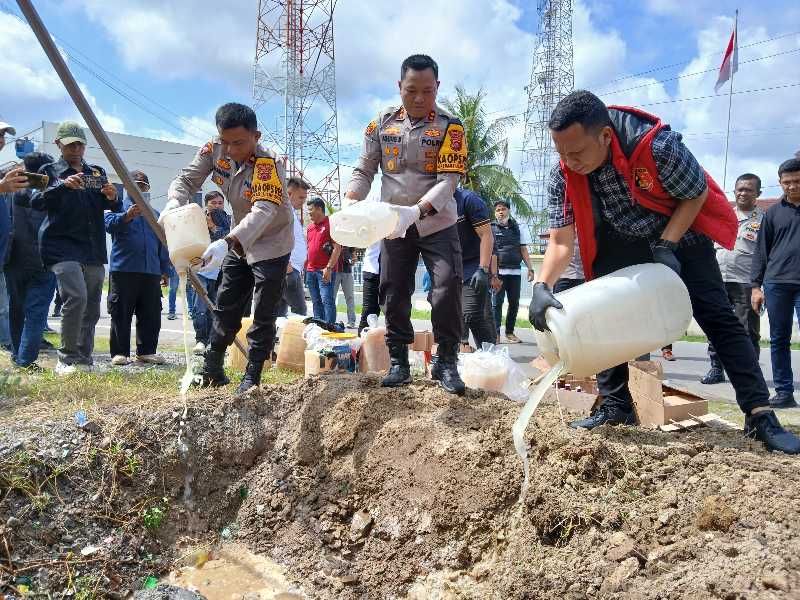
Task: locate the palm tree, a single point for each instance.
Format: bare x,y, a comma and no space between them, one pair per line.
487,173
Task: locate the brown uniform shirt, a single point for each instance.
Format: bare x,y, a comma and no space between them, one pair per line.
422,160
256,191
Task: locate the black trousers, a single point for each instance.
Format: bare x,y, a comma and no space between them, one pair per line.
512,286
739,298
565,284
266,280
478,317
441,253
134,294
712,311
370,298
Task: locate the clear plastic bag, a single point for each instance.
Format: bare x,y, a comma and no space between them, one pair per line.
492,369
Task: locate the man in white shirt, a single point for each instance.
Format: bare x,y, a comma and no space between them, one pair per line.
294,294
511,247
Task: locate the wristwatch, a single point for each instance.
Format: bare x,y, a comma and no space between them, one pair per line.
662,243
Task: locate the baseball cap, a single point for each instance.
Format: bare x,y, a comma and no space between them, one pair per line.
69,132
6,128
140,177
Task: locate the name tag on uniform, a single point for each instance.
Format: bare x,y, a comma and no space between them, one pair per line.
266,185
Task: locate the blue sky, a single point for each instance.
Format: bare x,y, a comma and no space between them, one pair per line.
191,56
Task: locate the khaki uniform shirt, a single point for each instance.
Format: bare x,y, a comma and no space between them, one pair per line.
418,161
256,191
735,264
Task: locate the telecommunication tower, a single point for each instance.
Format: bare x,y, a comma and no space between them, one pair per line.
552,78
294,89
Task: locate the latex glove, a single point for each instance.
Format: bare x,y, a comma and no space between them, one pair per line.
408,216
213,256
347,202
666,256
541,299
170,206
479,281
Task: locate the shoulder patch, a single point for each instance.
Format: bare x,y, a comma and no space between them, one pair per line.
266,185
453,152
373,125
209,146
401,114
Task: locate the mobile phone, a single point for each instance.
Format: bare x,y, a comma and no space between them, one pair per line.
36,180
93,182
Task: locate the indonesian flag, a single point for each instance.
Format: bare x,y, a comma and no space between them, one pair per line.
730,62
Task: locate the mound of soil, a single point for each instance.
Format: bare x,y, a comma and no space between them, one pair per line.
411,493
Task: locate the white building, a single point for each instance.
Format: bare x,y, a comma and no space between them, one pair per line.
159,159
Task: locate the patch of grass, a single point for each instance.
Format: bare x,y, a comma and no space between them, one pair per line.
704,340
154,516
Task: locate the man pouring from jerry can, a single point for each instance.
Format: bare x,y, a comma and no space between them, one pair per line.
422,153
254,255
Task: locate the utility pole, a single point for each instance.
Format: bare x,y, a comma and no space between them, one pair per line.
552,78
294,77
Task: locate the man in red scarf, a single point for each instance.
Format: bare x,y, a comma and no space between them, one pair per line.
633,193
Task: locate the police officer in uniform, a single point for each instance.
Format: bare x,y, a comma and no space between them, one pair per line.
254,255
421,151
735,268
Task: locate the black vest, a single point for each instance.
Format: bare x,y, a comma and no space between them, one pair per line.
507,244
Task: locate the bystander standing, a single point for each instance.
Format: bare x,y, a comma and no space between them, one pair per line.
344,279
323,253
139,265
294,294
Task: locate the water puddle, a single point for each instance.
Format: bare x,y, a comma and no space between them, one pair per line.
231,572
525,415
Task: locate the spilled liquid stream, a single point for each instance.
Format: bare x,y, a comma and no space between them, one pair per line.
525,415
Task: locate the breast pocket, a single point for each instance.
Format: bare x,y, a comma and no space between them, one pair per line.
393,151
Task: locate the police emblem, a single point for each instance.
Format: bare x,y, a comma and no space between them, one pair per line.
456,140
206,149
265,170
642,178
401,114
224,164
266,184
217,179
390,165
433,132
373,125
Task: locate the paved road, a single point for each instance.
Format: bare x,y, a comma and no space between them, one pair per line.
686,371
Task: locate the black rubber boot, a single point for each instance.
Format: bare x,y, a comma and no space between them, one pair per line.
611,414
213,374
714,375
765,427
783,400
399,371
444,369
252,376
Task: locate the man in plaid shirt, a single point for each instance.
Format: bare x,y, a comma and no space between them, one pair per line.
634,194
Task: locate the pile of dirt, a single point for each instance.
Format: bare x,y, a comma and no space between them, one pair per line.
411,493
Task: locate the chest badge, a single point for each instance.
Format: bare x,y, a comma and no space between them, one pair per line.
643,178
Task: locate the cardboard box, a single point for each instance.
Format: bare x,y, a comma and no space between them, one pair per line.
317,363
570,399
423,341
659,404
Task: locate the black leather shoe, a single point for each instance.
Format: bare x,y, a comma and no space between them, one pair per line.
399,370
783,400
766,428
444,370
213,373
252,376
714,375
606,415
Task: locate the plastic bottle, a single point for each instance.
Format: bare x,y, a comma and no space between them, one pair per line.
186,229
362,224
374,351
615,318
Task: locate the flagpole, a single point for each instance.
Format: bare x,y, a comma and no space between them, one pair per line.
730,102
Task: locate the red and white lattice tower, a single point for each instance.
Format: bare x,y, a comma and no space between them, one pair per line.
294,89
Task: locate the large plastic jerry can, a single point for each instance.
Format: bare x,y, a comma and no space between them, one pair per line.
615,318
186,229
362,224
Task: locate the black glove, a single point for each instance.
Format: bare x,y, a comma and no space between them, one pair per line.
664,253
541,299
479,281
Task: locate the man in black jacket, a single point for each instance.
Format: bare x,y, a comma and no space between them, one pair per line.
73,242
30,285
776,266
